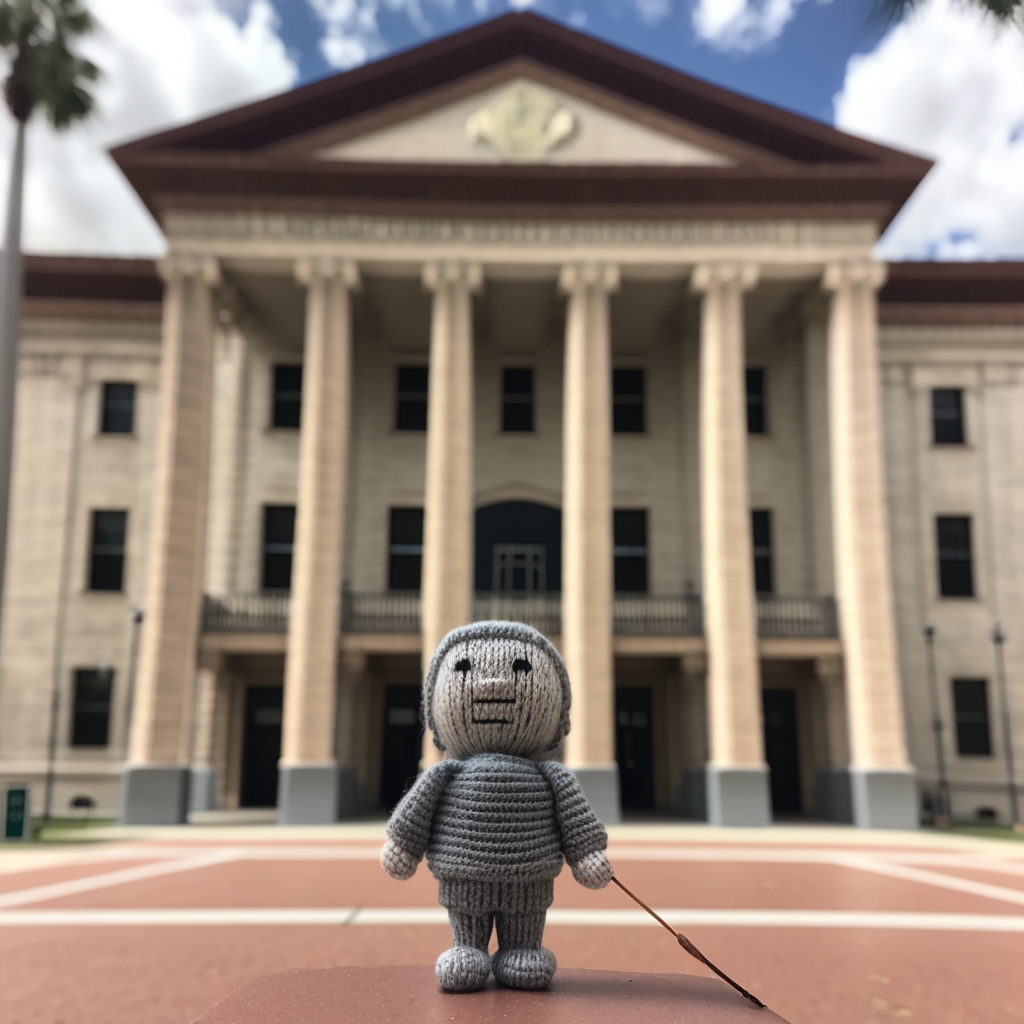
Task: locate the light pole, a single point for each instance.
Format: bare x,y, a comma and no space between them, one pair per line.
942,808
133,661
998,639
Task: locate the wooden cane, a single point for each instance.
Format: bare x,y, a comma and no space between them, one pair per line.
690,947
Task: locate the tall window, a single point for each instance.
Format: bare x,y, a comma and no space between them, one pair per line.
106,556
761,524
954,545
411,406
630,538
757,419
118,413
405,549
90,723
628,401
970,701
517,399
278,545
948,416
286,401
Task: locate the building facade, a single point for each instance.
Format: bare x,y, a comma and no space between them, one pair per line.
517,325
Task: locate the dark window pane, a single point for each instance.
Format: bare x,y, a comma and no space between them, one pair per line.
278,544
761,524
405,549
90,723
517,399
970,699
756,418
628,401
947,416
630,539
106,561
954,546
287,398
411,409
118,416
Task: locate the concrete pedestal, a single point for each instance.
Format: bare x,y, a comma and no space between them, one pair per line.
411,995
315,794
601,787
832,795
202,791
738,797
155,794
884,799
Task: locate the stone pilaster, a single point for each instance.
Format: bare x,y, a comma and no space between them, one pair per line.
210,697
737,780
155,783
587,577
832,784
882,783
447,582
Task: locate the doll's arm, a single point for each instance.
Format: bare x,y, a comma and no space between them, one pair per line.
584,838
408,828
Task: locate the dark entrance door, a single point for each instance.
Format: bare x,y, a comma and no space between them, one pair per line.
261,746
780,749
403,738
633,747
518,546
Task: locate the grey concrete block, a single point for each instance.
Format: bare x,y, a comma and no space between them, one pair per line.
832,795
884,799
601,787
738,797
308,794
693,795
202,792
155,794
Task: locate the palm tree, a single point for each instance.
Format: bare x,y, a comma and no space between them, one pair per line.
37,36
1001,10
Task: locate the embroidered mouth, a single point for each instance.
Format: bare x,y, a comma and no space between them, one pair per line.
490,706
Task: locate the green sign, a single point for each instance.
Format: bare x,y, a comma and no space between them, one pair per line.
17,823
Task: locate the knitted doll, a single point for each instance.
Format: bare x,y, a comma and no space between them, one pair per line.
495,821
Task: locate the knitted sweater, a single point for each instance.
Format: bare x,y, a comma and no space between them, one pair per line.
495,817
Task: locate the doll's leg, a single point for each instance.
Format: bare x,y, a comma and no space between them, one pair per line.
466,966
521,961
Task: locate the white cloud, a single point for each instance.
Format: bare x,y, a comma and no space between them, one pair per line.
947,84
165,62
744,25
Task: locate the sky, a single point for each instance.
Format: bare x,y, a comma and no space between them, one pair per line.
946,83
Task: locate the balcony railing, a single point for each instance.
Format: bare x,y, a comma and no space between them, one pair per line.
797,618
633,615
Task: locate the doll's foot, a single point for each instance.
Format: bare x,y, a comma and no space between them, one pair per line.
524,968
463,969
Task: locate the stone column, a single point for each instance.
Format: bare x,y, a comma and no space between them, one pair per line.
587,558
882,783
737,777
155,781
447,583
311,788
693,726
210,696
832,784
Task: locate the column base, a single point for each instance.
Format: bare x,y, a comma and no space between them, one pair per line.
315,794
155,794
601,788
832,795
202,789
738,797
883,799
693,795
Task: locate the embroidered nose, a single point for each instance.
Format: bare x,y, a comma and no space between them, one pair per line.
493,700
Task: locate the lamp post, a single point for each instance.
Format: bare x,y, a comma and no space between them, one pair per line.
942,807
998,639
133,660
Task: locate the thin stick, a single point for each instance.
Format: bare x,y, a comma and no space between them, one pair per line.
690,947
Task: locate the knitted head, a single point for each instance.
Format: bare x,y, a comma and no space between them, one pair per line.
496,687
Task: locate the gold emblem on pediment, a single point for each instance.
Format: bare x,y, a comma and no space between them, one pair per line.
524,122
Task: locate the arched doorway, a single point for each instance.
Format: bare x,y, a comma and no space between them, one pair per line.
518,547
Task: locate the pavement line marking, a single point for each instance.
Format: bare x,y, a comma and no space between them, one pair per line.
939,881
438,916
56,890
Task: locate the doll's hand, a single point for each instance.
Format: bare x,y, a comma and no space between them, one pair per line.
594,871
398,863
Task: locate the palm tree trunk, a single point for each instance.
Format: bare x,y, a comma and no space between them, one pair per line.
10,328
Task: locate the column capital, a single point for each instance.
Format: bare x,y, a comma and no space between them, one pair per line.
846,272
439,272
694,665
706,275
829,668
183,264
574,276
326,267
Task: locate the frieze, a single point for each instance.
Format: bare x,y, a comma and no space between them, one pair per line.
428,231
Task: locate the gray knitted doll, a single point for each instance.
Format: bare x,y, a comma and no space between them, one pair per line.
493,820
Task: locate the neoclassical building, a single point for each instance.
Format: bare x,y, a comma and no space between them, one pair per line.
517,325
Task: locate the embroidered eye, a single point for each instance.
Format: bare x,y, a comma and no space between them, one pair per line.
463,667
521,665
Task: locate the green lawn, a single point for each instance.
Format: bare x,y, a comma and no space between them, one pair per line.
989,832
